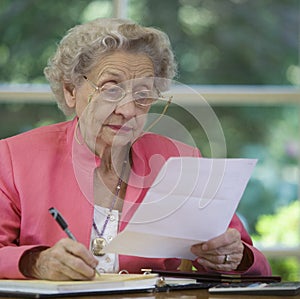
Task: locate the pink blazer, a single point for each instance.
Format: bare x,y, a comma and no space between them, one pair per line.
46,167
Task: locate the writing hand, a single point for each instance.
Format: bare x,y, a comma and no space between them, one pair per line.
66,260
223,253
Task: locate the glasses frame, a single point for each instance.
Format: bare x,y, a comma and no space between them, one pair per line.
124,93
160,97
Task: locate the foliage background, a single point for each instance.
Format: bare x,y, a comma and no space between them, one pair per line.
228,42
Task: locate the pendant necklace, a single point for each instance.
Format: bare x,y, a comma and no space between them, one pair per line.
100,242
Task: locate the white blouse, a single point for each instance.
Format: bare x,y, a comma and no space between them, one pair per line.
108,262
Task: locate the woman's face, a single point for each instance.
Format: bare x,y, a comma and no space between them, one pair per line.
103,123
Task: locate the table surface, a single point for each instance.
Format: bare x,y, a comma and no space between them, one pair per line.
182,294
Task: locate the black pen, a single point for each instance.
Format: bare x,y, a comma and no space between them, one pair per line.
63,224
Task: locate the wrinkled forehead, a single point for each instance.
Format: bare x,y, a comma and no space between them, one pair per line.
123,66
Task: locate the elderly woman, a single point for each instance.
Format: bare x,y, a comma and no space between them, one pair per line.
97,167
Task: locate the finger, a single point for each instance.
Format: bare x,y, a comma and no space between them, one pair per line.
75,267
80,251
231,248
222,259
231,236
78,259
60,262
50,268
208,264
75,273
62,272
228,239
198,250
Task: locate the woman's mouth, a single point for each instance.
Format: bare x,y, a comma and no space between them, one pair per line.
120,128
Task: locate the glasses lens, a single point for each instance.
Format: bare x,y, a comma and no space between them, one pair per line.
112,94
145,97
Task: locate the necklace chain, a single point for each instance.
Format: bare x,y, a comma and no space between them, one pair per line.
118,188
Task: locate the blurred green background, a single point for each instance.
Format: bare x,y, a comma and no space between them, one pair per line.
228,42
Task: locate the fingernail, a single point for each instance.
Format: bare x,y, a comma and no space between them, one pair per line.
204,247
95,264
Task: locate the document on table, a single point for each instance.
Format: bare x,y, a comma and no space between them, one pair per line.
191,200
105,284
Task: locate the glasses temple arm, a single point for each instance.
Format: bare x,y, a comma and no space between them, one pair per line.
161,115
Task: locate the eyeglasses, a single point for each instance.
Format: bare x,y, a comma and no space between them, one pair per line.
141,98
115,93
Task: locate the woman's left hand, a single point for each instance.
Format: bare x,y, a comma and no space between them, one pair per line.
223,253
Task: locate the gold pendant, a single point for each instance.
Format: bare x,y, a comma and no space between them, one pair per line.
97,246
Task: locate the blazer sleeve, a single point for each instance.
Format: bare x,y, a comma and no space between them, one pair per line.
10,218
259,264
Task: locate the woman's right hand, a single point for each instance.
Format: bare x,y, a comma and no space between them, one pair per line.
66,260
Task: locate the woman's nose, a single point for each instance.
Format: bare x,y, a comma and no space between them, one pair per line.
127,108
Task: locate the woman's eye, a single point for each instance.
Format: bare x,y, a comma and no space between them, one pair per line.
112,92
107,86
143,94
144,97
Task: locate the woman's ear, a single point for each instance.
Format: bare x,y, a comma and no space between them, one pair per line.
69,93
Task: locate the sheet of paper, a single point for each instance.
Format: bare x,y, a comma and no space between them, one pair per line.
191,200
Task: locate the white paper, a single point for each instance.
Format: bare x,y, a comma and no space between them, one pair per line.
191,200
